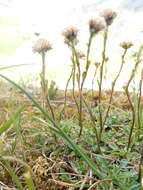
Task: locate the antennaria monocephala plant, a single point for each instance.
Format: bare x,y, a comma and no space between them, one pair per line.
70,35
95,26
125,46
97,64
42,46
126,87
108,16
98,159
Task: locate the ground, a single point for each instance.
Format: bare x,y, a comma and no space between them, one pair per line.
52,161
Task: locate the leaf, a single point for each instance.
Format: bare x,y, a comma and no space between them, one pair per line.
11,66
29,181
75,147
13,176
56,128
9,122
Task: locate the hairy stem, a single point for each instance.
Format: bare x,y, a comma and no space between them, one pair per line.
73,80
93,119
139,102
113,85
82,83
44,87
101,80
68,81
93,81
128,96
140,175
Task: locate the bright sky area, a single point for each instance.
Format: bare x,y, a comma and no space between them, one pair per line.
50,17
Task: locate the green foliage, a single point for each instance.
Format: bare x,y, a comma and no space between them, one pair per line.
13,175
6,125
53,90
98,147
55,127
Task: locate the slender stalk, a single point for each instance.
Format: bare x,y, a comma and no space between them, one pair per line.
73,80
129,99
78,67
139,102
82,83
101,80
87,60
113,85
93,80
45,87
79,88
50,107
140,174
68,81
133,117
93,119
76,63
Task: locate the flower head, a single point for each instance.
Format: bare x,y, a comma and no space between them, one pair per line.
126,45
42,45
70,35
108,16
95,26
80,54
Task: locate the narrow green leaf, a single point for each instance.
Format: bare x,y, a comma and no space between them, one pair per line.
13,176
9,122
29,181
11,66
75,147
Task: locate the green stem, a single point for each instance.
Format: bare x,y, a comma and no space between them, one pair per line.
128,96
93,119
113,85
68,81
82,83
139,103
93,81
101,79
73,80
140,175
45,87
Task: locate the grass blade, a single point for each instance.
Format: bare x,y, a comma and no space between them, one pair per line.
9,122
13,176
11,66
75,147
29,181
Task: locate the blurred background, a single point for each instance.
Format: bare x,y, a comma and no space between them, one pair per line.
20,20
